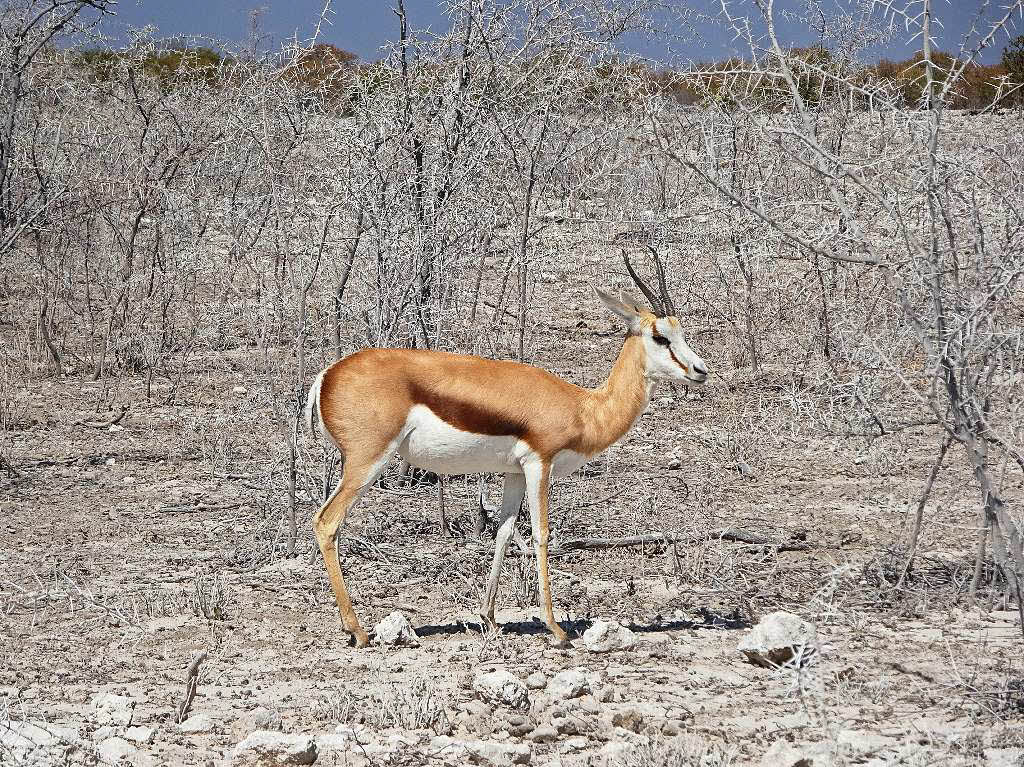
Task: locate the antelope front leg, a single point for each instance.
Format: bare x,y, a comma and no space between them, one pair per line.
538,477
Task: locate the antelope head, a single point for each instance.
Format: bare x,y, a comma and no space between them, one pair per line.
668,356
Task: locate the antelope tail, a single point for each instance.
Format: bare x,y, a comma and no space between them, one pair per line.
312,410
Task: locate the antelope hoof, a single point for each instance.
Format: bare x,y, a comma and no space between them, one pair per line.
560,641
361,638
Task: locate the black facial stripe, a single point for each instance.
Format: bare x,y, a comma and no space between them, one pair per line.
680,364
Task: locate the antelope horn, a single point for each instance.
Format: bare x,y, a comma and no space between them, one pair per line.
655,303
666,299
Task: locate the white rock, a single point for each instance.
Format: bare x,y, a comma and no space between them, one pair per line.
545,734
104,732
502,688
113,709
605,636
356,733
142,735
498,754
616,749
572,745
537,681
330,744
779,638
23,737
113,750
240,390
272,748
568,684
197,723
261,718
342,750
115,428
1004,757
395,631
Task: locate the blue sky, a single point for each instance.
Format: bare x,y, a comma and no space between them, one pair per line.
363,26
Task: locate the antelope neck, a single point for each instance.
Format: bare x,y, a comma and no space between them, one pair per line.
610,410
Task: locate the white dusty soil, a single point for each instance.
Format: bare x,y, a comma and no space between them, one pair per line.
108,533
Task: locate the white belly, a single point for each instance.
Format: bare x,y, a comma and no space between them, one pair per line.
566,462
437,446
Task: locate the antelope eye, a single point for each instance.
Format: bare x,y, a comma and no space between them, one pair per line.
660,340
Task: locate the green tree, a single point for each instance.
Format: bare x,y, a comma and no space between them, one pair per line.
1013,61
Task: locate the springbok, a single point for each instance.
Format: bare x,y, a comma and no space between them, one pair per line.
460,414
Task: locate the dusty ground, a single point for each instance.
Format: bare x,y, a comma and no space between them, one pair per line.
115,539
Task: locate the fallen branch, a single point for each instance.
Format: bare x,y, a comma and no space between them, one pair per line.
191,682
721,534
883,431
104,424
197,507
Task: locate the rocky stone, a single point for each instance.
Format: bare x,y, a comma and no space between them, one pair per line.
616,750
395,631
23,738
536,681
476,716
519,725
140,735
673,727
261,718
572,745
628,719
544,734
502,688
587,704
265,748
779,638
606,693
606,636
634,717
197,723
332,744
481,751
568,725
116,710
1004,757
357,733
104,732
114,750
568,684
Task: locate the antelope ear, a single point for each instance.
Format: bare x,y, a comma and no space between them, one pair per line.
628,300
627,311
